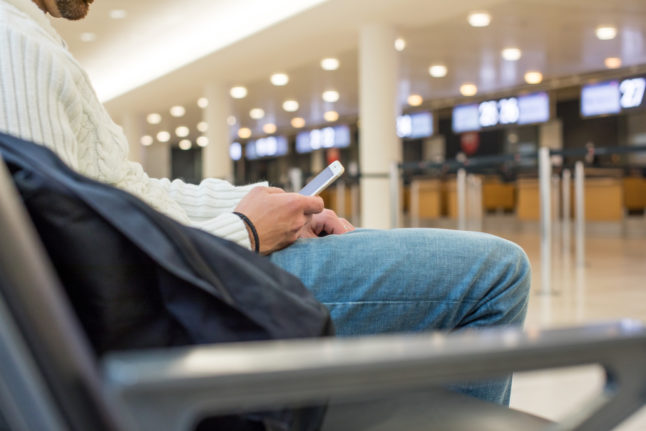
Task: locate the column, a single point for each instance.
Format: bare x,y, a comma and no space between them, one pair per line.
216,162
132,128
156,160
379,145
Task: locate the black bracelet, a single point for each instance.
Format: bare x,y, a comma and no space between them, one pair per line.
252,228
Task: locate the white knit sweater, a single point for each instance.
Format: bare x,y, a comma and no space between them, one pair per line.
47,98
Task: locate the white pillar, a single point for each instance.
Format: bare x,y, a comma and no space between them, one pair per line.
133,129
157,161
216,162
379,146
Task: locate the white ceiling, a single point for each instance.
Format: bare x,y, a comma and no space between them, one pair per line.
557,37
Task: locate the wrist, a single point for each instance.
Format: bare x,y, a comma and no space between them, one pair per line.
251,231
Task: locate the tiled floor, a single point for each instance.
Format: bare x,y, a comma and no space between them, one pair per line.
611,285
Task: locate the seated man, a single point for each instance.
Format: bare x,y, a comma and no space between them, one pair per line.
371,281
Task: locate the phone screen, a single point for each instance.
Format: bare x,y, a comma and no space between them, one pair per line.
322,180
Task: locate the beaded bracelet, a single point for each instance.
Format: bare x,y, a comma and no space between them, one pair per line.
252,228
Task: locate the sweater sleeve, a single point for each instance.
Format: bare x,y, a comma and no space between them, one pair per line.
45,97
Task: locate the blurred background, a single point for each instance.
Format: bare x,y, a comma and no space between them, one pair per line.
437,109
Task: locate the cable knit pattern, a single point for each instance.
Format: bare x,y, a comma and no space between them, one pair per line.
46,97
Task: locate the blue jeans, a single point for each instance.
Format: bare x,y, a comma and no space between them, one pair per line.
403,280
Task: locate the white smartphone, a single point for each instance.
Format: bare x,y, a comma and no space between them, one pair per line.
324,179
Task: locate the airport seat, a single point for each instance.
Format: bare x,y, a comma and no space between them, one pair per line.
50,379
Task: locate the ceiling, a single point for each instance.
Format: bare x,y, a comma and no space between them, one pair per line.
557,38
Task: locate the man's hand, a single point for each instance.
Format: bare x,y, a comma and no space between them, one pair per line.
326,221
279,217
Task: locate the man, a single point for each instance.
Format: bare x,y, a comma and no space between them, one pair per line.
372,281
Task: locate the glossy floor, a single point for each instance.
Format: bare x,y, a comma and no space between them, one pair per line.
611,285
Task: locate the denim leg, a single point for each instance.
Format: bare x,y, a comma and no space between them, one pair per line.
406,280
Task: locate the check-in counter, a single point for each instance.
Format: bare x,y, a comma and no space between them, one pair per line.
426,198
604,199
528,207
634,193
330,198
497,195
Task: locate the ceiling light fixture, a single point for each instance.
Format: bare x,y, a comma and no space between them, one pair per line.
244,133
231,120
202,102
330,64
269,128
163,136
533,77
511,54
202,126
185,144
257,113
437,70
400,44
606,32
279,79
331,96
238,92
331,116
88,37
202,141
182,131
415,100
612,62
468,89
146,140
154,118
298,122
479,19
118,14
177,111
290,105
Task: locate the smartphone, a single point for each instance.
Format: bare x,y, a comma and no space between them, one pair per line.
324,179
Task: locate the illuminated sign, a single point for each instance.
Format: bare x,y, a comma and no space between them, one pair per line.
235,151
415,126
612,97
328,137
271,146
525,109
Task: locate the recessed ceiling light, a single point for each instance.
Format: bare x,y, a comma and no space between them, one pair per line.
238,92
400,44
290,105
154,118
298,122
146,140
185,144
202,141
415,100
257,113
244,133
533,77
612,62
479,19
511,54
177,111
182,131
279,79
331,116
606,32
468,89
163,136
331,96
269,128
202,126
88,36
330,64
231,120
118,14
437,71
203,102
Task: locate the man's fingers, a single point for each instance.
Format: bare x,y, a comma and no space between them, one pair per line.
312,205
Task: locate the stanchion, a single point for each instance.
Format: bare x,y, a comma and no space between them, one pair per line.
474,202
565,227
545,176
394,195
462,199
414,203
579,179
340,199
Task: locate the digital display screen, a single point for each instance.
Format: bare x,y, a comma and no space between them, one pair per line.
600,99
631,93
271,146
235,151
415,126
328,137
525,109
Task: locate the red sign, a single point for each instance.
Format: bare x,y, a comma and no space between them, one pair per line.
469,142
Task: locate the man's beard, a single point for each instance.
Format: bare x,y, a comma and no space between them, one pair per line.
73,9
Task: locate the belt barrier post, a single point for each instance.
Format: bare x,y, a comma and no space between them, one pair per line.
394,195
462,199
579,180
565,192
545,176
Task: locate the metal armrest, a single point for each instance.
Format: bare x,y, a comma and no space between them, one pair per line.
173,386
